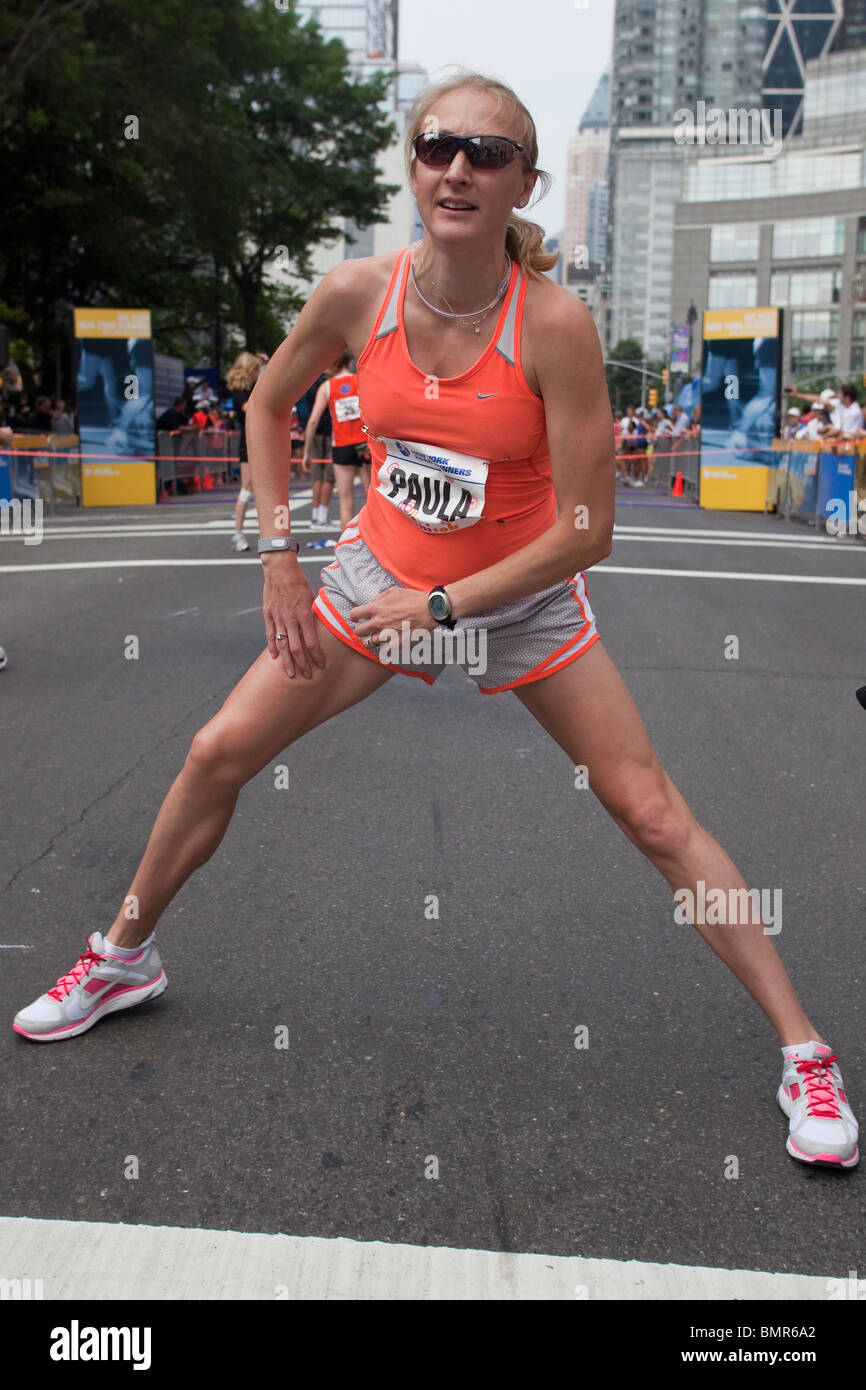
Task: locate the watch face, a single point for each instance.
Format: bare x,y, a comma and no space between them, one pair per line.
279,544
439,606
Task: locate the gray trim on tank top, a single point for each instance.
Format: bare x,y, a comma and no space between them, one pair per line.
505,343
389,318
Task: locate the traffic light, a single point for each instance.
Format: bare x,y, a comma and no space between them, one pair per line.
665,376
653,396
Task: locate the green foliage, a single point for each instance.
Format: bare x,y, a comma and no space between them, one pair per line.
623,384
253,137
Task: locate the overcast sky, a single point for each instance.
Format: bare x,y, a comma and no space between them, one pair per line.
549,51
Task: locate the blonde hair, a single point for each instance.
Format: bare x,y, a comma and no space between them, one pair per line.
524,240
242,374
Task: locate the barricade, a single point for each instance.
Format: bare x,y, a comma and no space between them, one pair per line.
813,481
45,467
198,458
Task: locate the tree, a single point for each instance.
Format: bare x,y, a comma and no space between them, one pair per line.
624,383
186,156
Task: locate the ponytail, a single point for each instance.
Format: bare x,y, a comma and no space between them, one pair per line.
524,242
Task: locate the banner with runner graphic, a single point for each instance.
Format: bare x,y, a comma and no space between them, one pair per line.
114,377
739,406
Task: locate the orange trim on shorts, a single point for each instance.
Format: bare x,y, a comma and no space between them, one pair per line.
355,642
538,673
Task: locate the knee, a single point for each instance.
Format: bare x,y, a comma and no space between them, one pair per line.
213,757
656,818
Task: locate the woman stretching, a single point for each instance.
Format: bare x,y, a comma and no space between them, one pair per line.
483,395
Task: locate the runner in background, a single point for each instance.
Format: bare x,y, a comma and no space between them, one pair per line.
240,379
340,394
323,472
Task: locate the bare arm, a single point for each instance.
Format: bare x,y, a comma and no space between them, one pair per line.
570,372
316,339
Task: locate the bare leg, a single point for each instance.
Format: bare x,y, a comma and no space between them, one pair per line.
240,513
345,475
264,713
589,711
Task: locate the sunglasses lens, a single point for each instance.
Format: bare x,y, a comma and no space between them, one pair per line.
438,150
493,153
484,151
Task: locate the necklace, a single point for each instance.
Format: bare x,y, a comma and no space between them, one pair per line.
474,319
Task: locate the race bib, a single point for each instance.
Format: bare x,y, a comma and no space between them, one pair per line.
347,408
439,489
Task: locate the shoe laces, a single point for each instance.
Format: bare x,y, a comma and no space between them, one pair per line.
821,1099
82,967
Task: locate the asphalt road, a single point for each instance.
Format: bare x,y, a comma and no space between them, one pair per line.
412,1039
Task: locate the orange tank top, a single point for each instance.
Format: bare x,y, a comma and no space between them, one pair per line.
345,409
460,465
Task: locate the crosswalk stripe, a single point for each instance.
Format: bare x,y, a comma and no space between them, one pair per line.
99,1260
319,559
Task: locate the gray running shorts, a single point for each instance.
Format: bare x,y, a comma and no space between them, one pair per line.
505,647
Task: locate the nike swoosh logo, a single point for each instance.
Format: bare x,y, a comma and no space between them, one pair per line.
76,1009
483,396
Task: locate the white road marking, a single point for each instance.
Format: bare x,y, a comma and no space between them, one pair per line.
605,568
15,948
705,532
602,568
99,1260
151,564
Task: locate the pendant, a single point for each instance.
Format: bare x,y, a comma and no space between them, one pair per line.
478,328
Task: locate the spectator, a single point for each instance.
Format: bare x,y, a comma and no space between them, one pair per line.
630,435
202,418
40,419
175,417
792,424
846,411
20,416
61,421
820,425
679,421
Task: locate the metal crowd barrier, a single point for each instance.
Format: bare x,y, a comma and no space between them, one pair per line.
45,467
669,457
813,482
196,457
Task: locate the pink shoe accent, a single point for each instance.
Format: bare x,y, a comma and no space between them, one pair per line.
842,1096
816,1158
794,1090
66,983
93,986
820,1089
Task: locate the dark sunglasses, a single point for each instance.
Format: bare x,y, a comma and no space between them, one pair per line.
482,151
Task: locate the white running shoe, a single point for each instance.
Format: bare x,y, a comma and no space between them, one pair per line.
98,984
238,542
812,1094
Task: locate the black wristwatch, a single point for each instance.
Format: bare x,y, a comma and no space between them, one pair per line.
440,606
277,543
